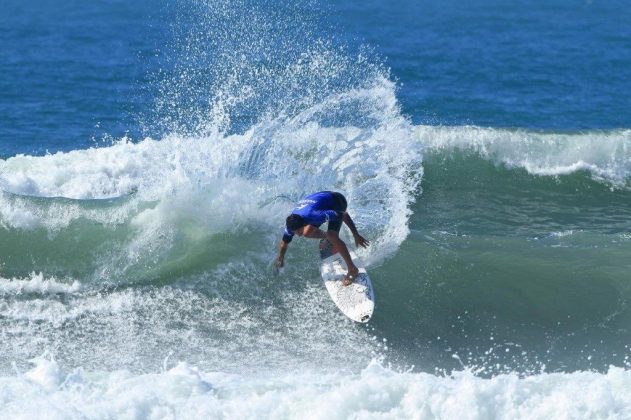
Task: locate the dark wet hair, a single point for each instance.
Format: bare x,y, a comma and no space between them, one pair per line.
295,222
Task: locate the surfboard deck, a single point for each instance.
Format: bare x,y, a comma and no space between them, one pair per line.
357,300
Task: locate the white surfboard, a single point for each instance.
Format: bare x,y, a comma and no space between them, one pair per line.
357,300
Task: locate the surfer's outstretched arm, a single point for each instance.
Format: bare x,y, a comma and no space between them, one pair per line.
280,260
359,240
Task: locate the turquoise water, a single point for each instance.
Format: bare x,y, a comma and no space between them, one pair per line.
151,152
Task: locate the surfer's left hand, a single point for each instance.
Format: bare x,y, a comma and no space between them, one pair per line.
361,241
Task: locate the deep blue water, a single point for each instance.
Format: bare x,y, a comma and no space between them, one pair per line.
74,73
560,64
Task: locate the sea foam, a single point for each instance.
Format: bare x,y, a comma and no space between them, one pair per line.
376,392
38,284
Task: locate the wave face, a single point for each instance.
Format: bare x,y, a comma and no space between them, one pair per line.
513,268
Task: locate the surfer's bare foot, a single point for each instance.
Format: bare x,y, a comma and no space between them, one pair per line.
350,277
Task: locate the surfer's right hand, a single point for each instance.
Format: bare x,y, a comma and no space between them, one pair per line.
280,262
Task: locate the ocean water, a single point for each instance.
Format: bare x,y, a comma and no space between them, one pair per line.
150,151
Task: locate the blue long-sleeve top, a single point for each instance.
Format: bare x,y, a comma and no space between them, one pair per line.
315,209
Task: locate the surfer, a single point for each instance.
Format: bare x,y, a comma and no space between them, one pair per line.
311,212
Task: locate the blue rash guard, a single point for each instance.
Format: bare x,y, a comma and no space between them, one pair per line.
317,208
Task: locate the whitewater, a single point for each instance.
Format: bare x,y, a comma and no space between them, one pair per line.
254,347
376,392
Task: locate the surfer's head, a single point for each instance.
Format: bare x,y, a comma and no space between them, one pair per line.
295,223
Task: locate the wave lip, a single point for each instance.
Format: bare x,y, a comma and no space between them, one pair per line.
378,392
606,155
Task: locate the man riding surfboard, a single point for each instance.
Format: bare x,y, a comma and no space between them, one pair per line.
310,213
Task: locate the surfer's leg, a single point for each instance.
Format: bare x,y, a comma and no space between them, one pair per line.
340,246
340,205
326,246
335,226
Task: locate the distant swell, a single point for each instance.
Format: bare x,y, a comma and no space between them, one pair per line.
605,155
